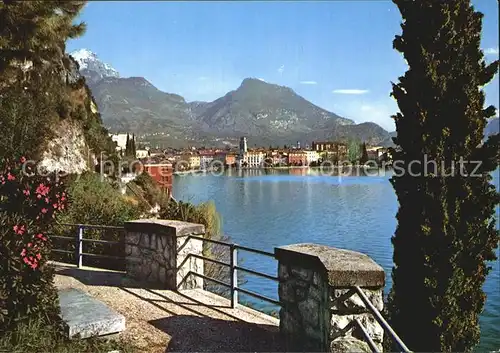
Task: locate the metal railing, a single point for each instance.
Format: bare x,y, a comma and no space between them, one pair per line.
234,268
78,241
377,315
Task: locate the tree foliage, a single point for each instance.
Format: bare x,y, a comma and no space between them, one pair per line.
26,118
364,154
353,151
130,150
150,192
35,32
446,232
35,86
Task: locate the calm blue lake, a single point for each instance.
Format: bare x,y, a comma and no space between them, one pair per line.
268,209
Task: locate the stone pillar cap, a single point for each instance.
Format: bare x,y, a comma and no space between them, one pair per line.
179,228
343,268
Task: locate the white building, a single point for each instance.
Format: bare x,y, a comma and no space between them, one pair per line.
253,159
121,141
205,160
139,154
311,156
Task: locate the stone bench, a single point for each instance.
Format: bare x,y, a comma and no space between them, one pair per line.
86,316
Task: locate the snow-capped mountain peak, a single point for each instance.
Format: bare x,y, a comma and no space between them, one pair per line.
92,67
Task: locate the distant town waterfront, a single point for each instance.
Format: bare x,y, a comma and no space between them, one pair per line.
265,209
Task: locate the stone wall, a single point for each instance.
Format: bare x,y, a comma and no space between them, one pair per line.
319,305
157,252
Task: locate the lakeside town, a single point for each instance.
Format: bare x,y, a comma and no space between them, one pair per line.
201,158
161,165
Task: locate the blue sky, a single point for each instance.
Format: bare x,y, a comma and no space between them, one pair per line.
336,54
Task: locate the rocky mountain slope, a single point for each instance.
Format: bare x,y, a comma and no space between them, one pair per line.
79,137
264,112
91,67
135,105
258,108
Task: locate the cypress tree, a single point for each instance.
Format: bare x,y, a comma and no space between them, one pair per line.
353,151
127,146
364,154
446,230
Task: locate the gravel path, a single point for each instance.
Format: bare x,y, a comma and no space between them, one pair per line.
166,321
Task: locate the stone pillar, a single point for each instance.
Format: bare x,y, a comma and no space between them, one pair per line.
156,251
318,306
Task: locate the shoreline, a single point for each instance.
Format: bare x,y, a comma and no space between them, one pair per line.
198,171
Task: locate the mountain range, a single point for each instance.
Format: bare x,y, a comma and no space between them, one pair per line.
265,113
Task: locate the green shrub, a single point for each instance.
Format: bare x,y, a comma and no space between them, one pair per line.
26,118
151,191
28,203
94,202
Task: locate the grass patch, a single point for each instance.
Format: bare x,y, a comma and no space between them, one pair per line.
35,336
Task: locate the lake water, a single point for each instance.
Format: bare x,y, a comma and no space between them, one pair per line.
266,209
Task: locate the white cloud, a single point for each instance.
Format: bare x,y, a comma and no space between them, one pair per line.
360,110
308,82
491,51
281,69
350,91
261,79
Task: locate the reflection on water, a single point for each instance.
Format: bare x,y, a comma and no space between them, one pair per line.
265,209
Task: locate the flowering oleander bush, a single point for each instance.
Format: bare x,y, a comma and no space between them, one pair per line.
29,203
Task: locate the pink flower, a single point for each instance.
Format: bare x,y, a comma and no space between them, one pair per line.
19,229
26,192
38,256
47,200
39,196
23,253
55,206
23,159
40,236
44,210
30,245
10,177
34,265
42,190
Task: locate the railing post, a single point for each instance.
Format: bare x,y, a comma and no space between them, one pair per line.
320,305
234,275
159,251
79,247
